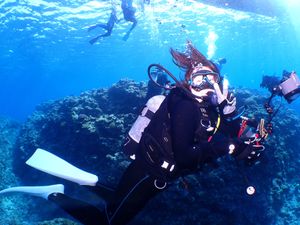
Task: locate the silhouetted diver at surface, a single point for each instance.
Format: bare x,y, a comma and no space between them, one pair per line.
129,15
107,26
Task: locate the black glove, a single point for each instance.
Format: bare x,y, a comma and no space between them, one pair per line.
248,150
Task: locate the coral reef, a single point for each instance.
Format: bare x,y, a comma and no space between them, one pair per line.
88,130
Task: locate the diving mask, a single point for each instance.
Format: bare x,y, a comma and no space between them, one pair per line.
204,79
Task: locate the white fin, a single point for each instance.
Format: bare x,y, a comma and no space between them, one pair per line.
52,164
39,191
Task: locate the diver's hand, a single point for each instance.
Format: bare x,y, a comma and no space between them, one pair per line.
226,103
255,154
248,150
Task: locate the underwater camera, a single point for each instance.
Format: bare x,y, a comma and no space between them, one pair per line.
288,86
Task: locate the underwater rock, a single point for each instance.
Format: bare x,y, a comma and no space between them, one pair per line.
58,221
85,130
88,131
8,134
9,205
126,96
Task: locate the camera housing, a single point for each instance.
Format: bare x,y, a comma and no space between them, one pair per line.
290,88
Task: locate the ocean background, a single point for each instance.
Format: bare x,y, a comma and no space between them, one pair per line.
45,52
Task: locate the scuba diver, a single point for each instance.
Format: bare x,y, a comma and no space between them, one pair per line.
201,125
287,86
129,15
106,26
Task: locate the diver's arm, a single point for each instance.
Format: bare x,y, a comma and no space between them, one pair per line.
231,127
209,151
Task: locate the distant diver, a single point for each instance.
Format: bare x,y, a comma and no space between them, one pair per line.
106,26
287,86
129,15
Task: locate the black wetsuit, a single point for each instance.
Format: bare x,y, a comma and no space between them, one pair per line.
189,123
128,10
129,15
107,26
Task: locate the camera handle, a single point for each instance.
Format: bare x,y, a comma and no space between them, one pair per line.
271,113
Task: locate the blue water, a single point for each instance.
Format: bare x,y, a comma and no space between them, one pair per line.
45,53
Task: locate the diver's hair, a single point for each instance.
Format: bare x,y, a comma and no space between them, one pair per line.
189,59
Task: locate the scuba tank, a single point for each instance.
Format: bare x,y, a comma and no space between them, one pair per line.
135,133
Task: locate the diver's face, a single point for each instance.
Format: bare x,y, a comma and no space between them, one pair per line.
203,78
202,82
